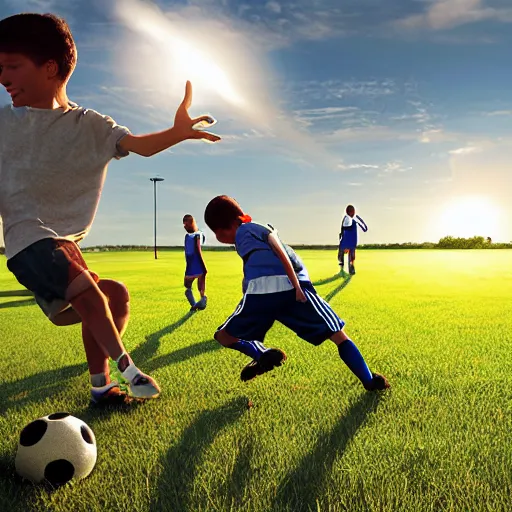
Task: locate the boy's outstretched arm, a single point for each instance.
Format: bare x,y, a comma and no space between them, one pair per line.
276,246
153,143
362,223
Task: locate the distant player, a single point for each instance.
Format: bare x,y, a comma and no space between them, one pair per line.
348,237
196,268
53,161
276,287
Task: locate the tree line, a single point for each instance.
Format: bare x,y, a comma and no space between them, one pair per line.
447,242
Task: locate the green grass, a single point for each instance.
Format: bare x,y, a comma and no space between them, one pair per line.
438,324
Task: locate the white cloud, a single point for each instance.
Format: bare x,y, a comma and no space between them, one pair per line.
273,7
500,113
357,166
444,14
465,150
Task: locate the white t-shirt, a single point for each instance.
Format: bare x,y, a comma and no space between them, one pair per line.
52,169
347,221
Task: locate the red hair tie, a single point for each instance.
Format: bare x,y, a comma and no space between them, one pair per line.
245,218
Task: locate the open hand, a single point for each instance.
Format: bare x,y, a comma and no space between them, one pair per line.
184,123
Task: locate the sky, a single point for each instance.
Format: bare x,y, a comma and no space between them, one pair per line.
402,108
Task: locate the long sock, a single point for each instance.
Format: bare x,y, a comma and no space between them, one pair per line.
253,349
351,356
190,296
99,379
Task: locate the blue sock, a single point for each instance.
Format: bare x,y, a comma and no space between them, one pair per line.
253,349
351,356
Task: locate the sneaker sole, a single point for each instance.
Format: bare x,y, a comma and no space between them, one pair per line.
268,361
144,396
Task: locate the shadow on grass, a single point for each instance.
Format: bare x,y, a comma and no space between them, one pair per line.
16,293
301,488
15,495
341,274
238,481
182,354
175,487
37,387
149,348
338,289
17,303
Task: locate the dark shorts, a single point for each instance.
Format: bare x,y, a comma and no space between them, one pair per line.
314,321
194,270
47,268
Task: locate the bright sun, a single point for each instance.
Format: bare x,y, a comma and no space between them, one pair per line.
471,216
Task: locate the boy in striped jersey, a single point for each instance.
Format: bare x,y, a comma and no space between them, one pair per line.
276,286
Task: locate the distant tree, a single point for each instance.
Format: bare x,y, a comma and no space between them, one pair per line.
489,240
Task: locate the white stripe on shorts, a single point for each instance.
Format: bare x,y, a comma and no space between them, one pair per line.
322,303
237,311
327,320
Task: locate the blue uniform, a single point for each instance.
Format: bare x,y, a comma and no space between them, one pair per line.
194,263
269,295
349,231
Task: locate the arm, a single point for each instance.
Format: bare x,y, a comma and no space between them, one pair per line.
200,252
361,223
276,246
153,143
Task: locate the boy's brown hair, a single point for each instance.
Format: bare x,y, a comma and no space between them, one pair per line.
221,212
40,37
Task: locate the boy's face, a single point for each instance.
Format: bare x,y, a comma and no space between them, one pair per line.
226,236
190,225
29,85
351,212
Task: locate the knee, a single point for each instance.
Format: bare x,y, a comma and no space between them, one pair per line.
115,291
187,283
224,338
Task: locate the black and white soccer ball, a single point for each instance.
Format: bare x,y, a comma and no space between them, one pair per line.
56,449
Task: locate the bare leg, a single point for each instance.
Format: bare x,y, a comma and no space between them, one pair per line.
201,284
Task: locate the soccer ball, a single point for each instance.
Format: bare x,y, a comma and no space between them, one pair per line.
56,449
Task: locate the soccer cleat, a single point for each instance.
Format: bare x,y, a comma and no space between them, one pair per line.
143,386
378,383
268,361
202,303
111,394
351,270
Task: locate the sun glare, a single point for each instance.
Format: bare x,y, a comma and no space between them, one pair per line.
176,46
471,216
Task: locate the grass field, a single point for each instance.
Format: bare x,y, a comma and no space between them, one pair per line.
438,324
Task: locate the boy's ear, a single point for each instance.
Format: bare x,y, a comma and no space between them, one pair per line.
52,69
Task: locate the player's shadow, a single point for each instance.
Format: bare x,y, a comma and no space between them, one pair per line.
149,348
338,289
17,303
16,293
182,354
14,495
328,280
37,387
178,467
301,488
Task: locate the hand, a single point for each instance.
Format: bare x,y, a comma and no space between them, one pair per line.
299,295
184,123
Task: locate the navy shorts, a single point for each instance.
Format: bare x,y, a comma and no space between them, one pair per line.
314,321
47,268
194,267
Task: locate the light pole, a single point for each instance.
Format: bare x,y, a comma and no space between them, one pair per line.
154,180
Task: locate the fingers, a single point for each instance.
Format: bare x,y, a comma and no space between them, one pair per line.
202,122
187,99
210,137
